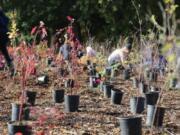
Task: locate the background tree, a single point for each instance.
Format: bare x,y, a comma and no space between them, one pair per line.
100,18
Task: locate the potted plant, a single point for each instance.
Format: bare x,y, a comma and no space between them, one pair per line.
130,125
19,127
71,99
31,97
116,96
20,111
58,93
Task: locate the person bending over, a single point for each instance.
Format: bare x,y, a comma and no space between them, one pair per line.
119,55
90,52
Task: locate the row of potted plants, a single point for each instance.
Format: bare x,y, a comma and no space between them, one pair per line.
132,125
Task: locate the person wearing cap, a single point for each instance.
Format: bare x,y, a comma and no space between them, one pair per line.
119,55
4,39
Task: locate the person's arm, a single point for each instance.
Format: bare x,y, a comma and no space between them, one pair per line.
122,59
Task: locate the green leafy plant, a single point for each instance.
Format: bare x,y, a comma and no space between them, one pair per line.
13,34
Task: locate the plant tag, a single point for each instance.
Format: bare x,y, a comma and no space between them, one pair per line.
42,78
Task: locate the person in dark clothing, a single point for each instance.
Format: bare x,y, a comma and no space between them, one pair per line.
4,39
40,33
58,40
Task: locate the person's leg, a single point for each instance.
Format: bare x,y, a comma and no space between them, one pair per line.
5,54
3,48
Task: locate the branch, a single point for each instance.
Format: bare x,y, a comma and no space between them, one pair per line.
163,15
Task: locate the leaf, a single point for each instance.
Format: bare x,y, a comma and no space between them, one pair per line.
168,1
18,133
40,133
153,19
100,1
178,43
171,58
114,8
172,9
166,48
69,18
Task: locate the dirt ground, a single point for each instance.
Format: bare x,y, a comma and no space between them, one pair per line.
96,115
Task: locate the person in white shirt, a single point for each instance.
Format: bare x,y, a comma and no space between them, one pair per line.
90,52
119,55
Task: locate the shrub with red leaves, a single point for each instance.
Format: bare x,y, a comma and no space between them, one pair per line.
40,133
18,133
33,30
69,18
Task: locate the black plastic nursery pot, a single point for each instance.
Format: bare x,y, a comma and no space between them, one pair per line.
92,72
102,83
66,84
16,127
153,88
107,90
135,82
49,61
173,83
126,74
152,97
69,83
71,103
116,96
131,125
31,97
137,104
108,71
159,117
143,88
153,76
16,112
155,116
58,96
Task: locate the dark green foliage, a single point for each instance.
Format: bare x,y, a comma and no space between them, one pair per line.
100,18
